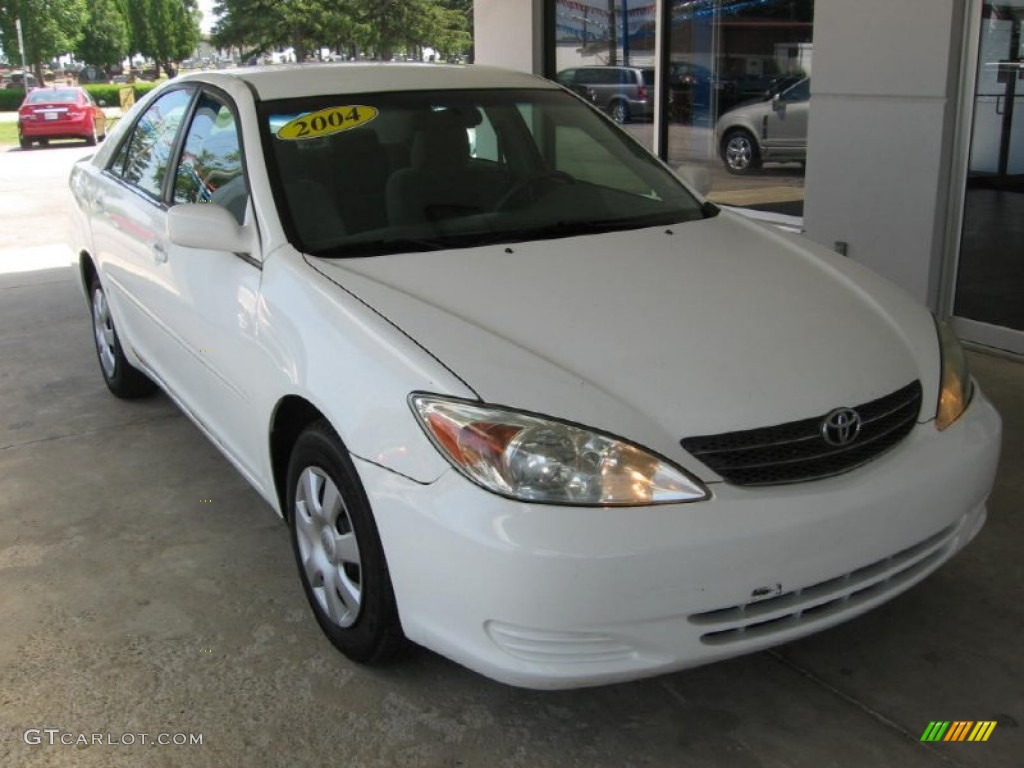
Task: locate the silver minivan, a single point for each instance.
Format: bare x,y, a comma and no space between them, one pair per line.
624,93
772,130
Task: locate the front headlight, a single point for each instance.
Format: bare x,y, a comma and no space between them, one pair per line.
539,459
956,387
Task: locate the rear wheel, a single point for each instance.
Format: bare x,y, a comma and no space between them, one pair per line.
91,139
338,550
620,111
25,143
122,379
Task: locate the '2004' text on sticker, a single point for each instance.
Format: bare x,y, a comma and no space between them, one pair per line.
324,122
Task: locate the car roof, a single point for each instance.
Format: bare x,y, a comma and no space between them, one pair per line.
297,80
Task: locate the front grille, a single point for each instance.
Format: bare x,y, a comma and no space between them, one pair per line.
828,599
796,451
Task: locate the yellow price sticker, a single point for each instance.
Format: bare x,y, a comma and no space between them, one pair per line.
324,122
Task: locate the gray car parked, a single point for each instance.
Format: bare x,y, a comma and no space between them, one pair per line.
623,92
770,130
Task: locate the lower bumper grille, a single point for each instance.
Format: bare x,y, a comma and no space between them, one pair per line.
817,602
798,451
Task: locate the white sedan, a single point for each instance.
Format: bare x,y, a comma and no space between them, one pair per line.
521,395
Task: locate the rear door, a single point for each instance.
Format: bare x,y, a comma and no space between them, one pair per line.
128,221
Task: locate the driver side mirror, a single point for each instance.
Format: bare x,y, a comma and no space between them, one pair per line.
208,226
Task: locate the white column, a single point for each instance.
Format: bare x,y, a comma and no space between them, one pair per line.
509,33
882,121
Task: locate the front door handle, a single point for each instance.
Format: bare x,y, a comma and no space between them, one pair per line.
159,253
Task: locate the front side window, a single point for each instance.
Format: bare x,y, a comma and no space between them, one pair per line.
210,169
143,159
417,171
799,92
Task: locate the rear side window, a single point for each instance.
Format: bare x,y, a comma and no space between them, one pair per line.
143,159
210,170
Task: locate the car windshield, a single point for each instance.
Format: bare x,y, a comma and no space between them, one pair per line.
415,171
64,96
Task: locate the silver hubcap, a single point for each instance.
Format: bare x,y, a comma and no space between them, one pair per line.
103,328
739,153
327,547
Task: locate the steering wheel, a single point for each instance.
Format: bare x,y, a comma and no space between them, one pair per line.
527,191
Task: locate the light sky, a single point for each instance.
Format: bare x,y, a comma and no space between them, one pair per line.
206,6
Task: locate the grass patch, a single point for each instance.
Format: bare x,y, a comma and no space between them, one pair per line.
8,133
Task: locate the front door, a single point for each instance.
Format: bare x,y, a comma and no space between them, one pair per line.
786,124
988,303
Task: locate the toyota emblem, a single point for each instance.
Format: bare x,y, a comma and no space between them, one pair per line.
841,427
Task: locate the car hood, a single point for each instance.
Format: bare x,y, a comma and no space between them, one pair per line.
698,328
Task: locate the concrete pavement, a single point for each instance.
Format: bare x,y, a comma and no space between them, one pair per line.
145,589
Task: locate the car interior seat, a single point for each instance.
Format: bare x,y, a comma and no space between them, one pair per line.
361,170
441,182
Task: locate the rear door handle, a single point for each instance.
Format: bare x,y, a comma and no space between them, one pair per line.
159,253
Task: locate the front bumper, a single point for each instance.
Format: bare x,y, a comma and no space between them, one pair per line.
557,597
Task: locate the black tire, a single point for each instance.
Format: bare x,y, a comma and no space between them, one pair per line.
122,379
25,143
367,631
44,142
619,110
740,152
90,140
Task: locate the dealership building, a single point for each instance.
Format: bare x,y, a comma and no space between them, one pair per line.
914,128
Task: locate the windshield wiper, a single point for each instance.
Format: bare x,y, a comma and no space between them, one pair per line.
380,247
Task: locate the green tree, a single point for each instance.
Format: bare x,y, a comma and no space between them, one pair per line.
178,21
166,31
379,27
140,29
257,26
50,28
105,38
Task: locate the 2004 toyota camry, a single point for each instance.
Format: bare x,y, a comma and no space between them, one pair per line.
521,396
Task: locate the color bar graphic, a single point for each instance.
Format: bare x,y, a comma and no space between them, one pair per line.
958,730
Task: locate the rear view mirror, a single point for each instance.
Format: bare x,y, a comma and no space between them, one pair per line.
207,226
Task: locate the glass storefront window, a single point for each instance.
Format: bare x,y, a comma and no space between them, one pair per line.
604,51
988,307
738,90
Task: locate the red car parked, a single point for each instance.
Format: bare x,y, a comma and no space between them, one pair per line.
60,113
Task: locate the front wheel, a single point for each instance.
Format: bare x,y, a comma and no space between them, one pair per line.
122,379
338,550
740,152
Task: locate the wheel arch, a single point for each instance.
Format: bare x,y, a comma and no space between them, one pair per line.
291,416
87,271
